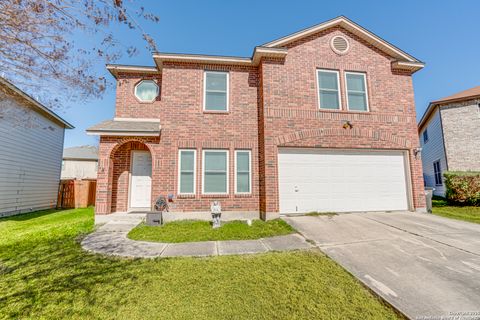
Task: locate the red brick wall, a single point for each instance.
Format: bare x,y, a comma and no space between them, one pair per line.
185,125
292,116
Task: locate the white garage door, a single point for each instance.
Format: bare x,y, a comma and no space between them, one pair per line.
341,181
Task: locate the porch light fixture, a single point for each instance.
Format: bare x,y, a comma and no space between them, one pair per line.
417,152
347,125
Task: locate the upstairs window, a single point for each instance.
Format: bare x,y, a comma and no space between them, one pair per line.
146,91
215,172
215,91
437,170
425,136
329,89
356,91
186,172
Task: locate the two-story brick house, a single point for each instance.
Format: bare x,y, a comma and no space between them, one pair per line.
320,120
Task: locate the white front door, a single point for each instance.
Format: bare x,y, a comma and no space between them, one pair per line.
141,180
349,180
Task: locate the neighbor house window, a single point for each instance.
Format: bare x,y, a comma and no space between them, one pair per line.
215,91
357,99
146,90
215,171
63,165
243,171
425,136
437,170
328,89
186,171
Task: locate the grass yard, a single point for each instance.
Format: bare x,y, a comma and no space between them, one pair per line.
441,208
187,231
44,274
321,214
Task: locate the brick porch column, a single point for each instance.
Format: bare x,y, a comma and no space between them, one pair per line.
103,202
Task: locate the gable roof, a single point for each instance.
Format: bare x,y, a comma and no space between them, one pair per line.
81,153
275,48
468,94
462,95
352,27
37,105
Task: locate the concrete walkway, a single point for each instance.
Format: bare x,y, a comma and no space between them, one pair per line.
111,239
424,265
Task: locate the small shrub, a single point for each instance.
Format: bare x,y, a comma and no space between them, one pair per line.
463,188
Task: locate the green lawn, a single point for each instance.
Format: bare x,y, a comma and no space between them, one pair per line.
44,274
320,214
441,208
187,231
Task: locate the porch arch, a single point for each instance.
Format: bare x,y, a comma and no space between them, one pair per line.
121,172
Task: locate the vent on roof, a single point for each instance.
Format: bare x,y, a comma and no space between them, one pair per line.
339,44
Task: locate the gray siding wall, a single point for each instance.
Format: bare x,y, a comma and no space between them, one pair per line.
461,127
432,151
31,148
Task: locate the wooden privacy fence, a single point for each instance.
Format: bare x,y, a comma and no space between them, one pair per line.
76,193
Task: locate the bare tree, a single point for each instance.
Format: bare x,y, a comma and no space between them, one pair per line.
38,51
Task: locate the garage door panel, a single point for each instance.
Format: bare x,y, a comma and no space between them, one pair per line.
328,180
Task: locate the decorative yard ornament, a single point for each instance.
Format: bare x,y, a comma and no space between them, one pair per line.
216,210
161,204
155,218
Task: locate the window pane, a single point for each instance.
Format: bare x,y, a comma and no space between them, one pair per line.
355,82
216,81
329,100
147,90
216,161
327,80
186,182
187,161
357,101
215,101
243,161
215,182
243,182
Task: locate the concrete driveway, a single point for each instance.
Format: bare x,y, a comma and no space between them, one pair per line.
422,264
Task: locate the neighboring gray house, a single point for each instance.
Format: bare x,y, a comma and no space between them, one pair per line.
80,162
31,145
449,134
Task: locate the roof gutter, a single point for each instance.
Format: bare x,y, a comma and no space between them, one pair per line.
258,54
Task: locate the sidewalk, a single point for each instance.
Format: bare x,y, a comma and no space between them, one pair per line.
111,239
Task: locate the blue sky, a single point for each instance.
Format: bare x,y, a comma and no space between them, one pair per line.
444,34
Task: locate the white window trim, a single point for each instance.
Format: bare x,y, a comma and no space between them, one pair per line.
194,171
205,90
366,90
146,80
249,171
203,170
317,72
